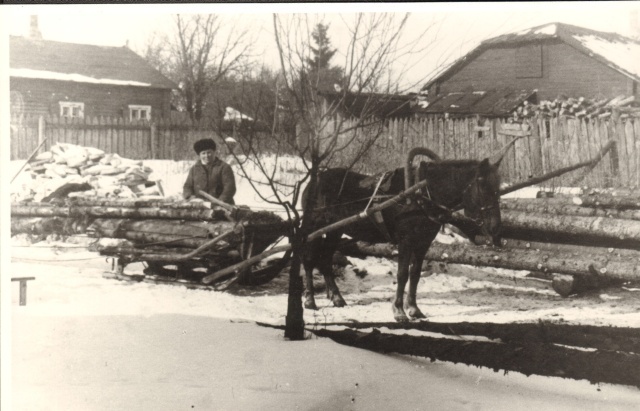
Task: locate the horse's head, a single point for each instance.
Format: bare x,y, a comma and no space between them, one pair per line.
481,199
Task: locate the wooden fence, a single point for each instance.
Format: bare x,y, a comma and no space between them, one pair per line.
548,144
131,139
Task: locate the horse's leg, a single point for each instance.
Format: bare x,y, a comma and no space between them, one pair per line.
310,260
410,305
420,246
325,265
404,258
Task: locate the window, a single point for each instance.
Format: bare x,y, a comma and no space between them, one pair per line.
139,112
71,109
529,61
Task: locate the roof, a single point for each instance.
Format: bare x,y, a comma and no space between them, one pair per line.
496,102
377,104
52,60
614,50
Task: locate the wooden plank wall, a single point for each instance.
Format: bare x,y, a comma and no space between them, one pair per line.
549,144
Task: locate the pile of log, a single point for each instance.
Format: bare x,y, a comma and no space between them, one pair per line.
580,243
578,108
102,174
157,231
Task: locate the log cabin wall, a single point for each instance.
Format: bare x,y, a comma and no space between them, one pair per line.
563,70
43,97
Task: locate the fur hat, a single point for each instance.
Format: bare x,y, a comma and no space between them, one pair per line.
204,144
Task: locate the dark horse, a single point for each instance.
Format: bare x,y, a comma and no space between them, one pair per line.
451,184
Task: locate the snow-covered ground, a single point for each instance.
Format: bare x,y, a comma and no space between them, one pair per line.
86,342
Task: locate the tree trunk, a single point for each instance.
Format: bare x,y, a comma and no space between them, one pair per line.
543,205
577,250
601,231
133,203
118,212
516,259
566,285
606,201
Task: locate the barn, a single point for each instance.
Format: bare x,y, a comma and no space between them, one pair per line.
536,64
78,80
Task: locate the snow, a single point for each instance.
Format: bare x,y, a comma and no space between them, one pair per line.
625,55
79,78
87,342
231,114
550,29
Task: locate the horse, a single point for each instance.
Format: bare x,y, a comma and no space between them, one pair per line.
473,185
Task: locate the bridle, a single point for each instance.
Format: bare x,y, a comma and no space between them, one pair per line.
484,209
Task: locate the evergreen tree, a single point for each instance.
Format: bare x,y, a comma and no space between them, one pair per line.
323,52
320,73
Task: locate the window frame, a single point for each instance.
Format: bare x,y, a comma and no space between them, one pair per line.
138,108
70,106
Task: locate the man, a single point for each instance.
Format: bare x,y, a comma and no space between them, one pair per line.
209,174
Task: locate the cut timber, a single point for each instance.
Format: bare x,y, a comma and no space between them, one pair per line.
128,202
606,201
544,205
609,253
47,225
601,231
169,233
40,210
516,259
566,285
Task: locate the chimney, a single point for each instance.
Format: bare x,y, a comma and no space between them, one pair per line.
34,29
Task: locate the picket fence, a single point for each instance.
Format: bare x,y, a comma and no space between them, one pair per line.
547,144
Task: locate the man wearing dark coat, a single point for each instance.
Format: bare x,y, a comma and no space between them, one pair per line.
209,174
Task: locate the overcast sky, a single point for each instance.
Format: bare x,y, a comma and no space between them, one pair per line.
457,28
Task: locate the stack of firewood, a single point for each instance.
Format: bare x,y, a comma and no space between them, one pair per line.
577,108
101,174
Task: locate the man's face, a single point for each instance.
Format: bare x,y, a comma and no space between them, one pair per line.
207,156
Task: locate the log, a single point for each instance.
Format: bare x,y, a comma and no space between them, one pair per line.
559,206
559,172
134,203
601,231
39,210
515,259
606,201
169,233
47,225
577,250
567,285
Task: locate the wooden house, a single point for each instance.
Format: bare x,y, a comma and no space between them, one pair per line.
78,80
540,63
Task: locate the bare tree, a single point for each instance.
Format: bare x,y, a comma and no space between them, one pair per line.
329,128
202,50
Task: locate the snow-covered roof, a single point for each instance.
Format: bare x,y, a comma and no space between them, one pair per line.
616,51
52,75
623,54
52,60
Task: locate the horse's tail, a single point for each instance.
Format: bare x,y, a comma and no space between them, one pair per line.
416,151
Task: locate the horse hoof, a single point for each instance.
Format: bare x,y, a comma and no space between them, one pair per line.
338,301
310,305
416,315
401,318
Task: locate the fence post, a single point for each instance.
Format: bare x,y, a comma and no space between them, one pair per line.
535,146
153,131
613,154
41,130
